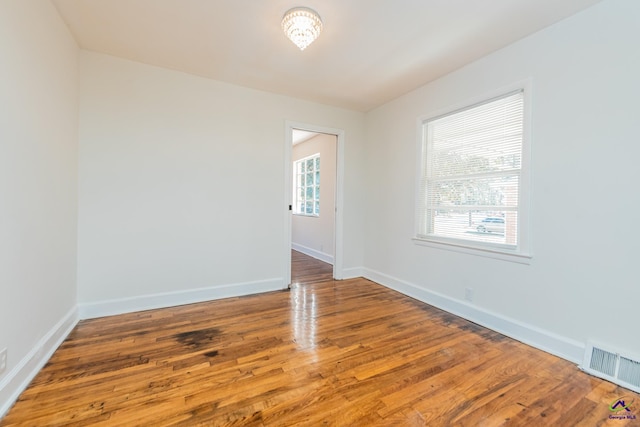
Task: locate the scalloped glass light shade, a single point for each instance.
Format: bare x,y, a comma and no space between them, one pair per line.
302,25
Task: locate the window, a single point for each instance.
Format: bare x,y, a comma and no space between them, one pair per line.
307,186
471,176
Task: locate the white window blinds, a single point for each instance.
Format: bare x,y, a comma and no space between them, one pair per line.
470,173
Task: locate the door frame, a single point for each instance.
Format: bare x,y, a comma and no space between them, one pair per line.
288,192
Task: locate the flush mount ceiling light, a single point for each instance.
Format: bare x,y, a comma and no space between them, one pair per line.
302,25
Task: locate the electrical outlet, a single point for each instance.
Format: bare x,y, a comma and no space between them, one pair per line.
468,294
3,359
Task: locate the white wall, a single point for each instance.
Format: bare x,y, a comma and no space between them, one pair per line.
582,282
181,193
315,235
38,187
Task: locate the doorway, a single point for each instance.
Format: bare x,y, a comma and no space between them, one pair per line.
313,225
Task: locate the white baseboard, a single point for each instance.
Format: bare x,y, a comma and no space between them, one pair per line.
543,340
352,273
25,371
90,310
313,253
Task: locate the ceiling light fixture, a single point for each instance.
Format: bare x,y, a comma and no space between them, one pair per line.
302,25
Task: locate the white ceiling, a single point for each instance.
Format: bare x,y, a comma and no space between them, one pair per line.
298,136
369,52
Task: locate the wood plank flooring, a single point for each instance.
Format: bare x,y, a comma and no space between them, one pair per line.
325,353
305,269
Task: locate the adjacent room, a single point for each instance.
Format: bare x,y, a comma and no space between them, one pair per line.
428,169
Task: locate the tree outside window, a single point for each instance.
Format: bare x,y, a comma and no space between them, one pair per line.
307,186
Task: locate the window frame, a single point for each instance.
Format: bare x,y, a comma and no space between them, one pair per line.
316,184
521,252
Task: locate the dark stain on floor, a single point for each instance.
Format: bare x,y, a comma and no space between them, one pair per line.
199,338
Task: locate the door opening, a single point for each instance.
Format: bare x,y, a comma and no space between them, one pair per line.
314,194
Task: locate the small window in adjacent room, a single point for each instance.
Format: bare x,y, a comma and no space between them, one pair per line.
472,166
307,186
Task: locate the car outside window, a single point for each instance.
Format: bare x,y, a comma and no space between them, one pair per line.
471,170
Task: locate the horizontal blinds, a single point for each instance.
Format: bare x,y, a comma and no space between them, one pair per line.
470,178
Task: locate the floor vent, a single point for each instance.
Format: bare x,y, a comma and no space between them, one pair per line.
622,369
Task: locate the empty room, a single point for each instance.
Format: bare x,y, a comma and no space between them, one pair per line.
324,212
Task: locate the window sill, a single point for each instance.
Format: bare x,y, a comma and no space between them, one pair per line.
487,252
307,215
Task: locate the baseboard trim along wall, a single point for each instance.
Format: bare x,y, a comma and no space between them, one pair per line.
112,307
352,273
18,379
549,342
313,253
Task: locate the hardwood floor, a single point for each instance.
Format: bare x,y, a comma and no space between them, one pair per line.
339,353
305,269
